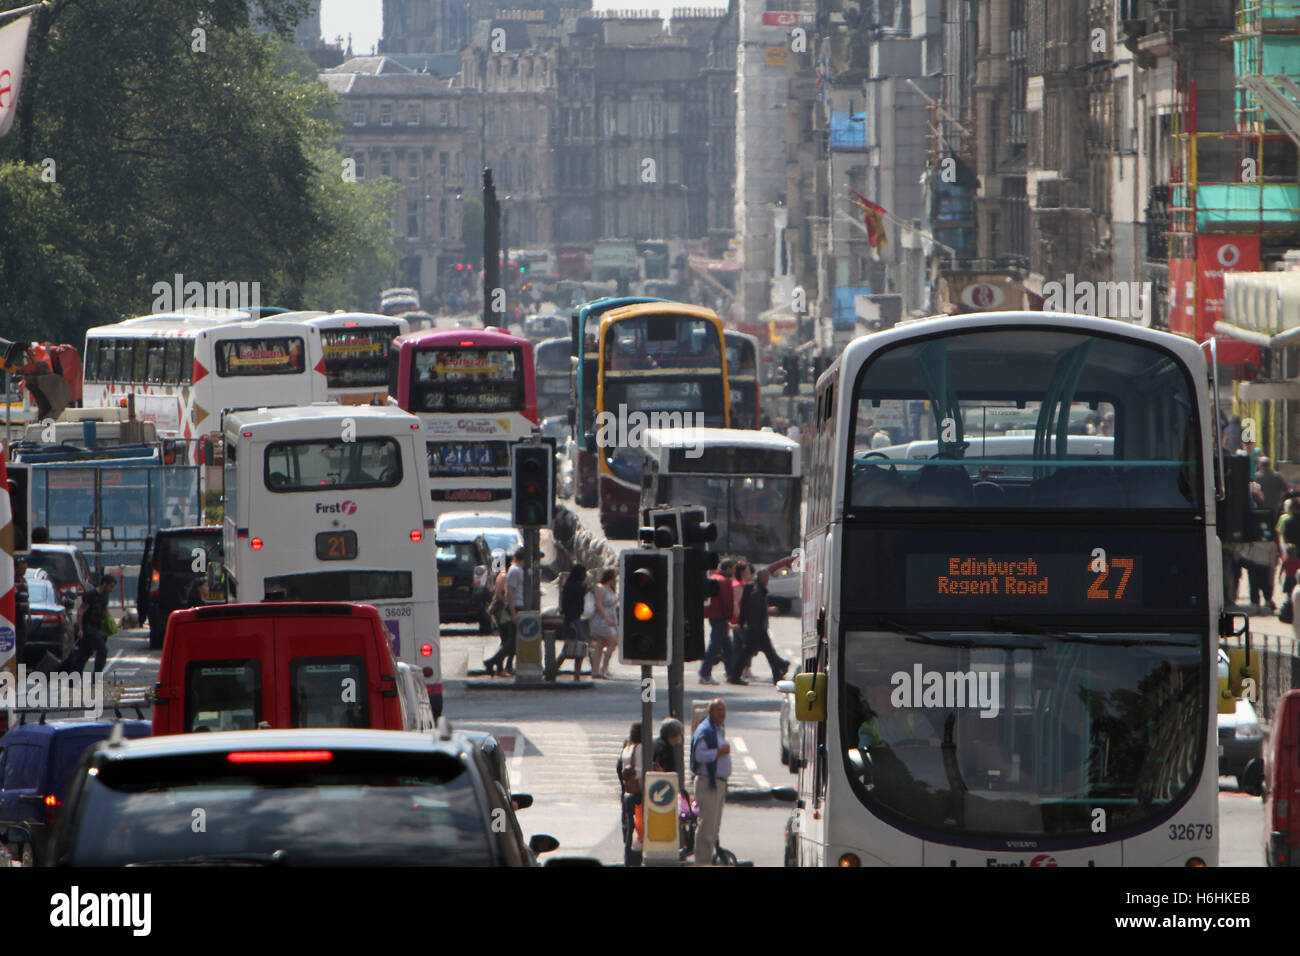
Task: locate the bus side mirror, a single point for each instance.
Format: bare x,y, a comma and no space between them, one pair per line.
1243,673
810,697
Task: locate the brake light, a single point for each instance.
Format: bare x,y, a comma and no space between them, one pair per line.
426,650
279,756
51,807
467,344
256,544
350,325
416,535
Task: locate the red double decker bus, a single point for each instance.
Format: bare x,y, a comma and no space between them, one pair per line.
475,392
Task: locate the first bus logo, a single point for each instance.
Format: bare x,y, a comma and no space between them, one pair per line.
337,508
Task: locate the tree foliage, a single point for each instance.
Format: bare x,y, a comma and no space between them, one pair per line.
184,142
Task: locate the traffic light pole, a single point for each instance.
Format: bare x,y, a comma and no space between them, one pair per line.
676,666
647,727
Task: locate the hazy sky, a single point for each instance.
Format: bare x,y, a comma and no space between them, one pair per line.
362,18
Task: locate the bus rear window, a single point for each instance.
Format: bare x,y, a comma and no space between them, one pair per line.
223,695
318,692
281,356
340,586
334,464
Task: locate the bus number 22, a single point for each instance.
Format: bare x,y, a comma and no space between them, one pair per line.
1099,593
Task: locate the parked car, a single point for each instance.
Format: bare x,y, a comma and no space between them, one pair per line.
180,567
293,798
790,730
237,666
496,526
1240,737
50,628
464,563
1276,777
66,567
36,767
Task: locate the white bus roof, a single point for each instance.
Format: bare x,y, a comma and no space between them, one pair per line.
186,319
697,437
292,420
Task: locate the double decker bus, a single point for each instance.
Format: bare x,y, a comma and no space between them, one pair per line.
475,393
742,374
584,328
331,503
355,346
750,482
1012,640
185,367
662,364
554,371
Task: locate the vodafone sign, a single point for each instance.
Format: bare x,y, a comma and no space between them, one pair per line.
981,295
1229,255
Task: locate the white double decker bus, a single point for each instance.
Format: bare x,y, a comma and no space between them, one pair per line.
1011,640
185,367
331,503
355,346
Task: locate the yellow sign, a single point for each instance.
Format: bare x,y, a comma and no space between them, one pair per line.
776,56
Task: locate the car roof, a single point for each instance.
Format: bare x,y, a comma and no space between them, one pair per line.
61,548
62,725
495,519
222,741
460,535
192,529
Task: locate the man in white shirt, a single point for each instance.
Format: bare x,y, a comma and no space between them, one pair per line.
504,658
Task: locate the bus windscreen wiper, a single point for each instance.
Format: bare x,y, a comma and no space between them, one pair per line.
1067,637
917,637
277,858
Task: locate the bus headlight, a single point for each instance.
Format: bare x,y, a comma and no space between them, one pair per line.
850,859
1196,861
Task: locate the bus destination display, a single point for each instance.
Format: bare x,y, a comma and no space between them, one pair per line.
1013,582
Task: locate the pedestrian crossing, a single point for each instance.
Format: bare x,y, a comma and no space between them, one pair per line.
563,763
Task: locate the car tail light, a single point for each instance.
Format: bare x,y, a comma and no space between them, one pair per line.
51,807
426,650
416,535
1196,862
256,544
850,859
279,756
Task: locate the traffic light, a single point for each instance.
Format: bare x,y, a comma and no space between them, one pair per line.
697,587
532,484
791,363
645,606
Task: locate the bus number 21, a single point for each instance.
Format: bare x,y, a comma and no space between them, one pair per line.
1099,593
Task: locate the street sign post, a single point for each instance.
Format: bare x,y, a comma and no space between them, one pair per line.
528,648
659,815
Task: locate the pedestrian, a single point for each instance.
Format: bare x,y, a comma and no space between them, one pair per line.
604,626
753,618
718,613
739,575
630,764
1272,486
40,534
513,604
1232,435
572,595
90,624
1259,557
711,764
665,752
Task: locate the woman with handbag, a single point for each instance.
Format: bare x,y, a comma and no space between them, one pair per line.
572,605
630,763
604,624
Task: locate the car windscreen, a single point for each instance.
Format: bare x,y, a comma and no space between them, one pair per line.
324,808
457,555
57,564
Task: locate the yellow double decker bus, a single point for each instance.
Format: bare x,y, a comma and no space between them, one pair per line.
661,365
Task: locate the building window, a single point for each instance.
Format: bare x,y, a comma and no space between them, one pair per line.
442,164
360,160
386,114
442,218
444,114
413,115
359,114
386,165
413,165
413,219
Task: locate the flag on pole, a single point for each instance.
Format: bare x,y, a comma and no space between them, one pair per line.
13,52
873,216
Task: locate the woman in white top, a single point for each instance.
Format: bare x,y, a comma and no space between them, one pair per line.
604,625
632,762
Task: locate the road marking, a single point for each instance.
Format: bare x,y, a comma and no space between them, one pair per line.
750,764
760,781
739,744
112,662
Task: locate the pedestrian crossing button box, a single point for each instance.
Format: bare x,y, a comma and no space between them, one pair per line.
810,697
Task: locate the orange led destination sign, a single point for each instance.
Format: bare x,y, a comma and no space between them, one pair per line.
1057,582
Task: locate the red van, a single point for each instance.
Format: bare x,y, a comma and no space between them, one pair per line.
236,666
1277,780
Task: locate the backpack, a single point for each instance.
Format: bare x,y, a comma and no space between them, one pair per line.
628,777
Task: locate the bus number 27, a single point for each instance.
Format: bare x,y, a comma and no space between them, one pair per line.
1099,593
